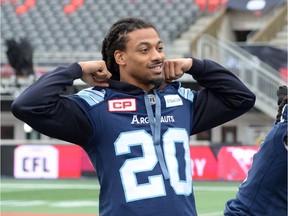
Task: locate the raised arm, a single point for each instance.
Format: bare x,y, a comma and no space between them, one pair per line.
223,97
44,108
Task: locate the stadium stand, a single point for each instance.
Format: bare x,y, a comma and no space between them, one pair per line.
55,26
63,31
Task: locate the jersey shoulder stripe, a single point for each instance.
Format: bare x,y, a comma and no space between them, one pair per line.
186,93
284,113
92,96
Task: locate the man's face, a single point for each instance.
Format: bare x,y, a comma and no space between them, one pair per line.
143,59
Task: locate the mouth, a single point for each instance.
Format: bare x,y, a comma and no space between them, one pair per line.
156,68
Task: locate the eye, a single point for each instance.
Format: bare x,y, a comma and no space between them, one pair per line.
144,50
160,49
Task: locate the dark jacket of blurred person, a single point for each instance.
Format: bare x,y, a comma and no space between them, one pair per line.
264,191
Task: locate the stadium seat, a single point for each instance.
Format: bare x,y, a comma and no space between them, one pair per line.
53,21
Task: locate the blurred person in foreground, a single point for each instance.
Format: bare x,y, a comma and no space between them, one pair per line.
135,125
264,191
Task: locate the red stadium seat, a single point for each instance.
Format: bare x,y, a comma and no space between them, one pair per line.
69,9
21,9
77,3
30,3
73,6
210,5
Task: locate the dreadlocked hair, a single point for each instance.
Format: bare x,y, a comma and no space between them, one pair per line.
116,39
282,101
280,108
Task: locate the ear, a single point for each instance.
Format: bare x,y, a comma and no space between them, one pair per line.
120,57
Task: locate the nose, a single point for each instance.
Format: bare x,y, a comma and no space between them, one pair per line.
157,55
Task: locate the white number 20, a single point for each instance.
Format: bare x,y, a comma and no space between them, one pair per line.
132,166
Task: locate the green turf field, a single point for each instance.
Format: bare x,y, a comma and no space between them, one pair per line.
81,196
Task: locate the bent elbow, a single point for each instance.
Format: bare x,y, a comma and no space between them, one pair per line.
250,102
20,110
17,109
244,102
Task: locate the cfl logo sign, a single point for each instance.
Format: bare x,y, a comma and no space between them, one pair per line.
122,105
36,161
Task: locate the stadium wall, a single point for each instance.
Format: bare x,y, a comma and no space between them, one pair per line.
230,163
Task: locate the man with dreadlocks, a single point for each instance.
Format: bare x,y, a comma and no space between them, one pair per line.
136,125
264,191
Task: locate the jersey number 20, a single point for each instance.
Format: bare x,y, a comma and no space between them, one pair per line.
155,187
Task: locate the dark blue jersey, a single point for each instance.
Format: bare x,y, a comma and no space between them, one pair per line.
132,171
264,191
137,141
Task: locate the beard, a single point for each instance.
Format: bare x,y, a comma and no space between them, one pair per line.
157,82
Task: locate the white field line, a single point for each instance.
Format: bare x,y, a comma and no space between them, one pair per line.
68,204
12,187
59,204
215,188
96,187
47,186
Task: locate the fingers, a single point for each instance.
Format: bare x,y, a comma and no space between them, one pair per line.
101,84
100,78
95,73
94,81
173,69
101,74
90,67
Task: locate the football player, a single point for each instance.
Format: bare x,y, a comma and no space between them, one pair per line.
135,122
